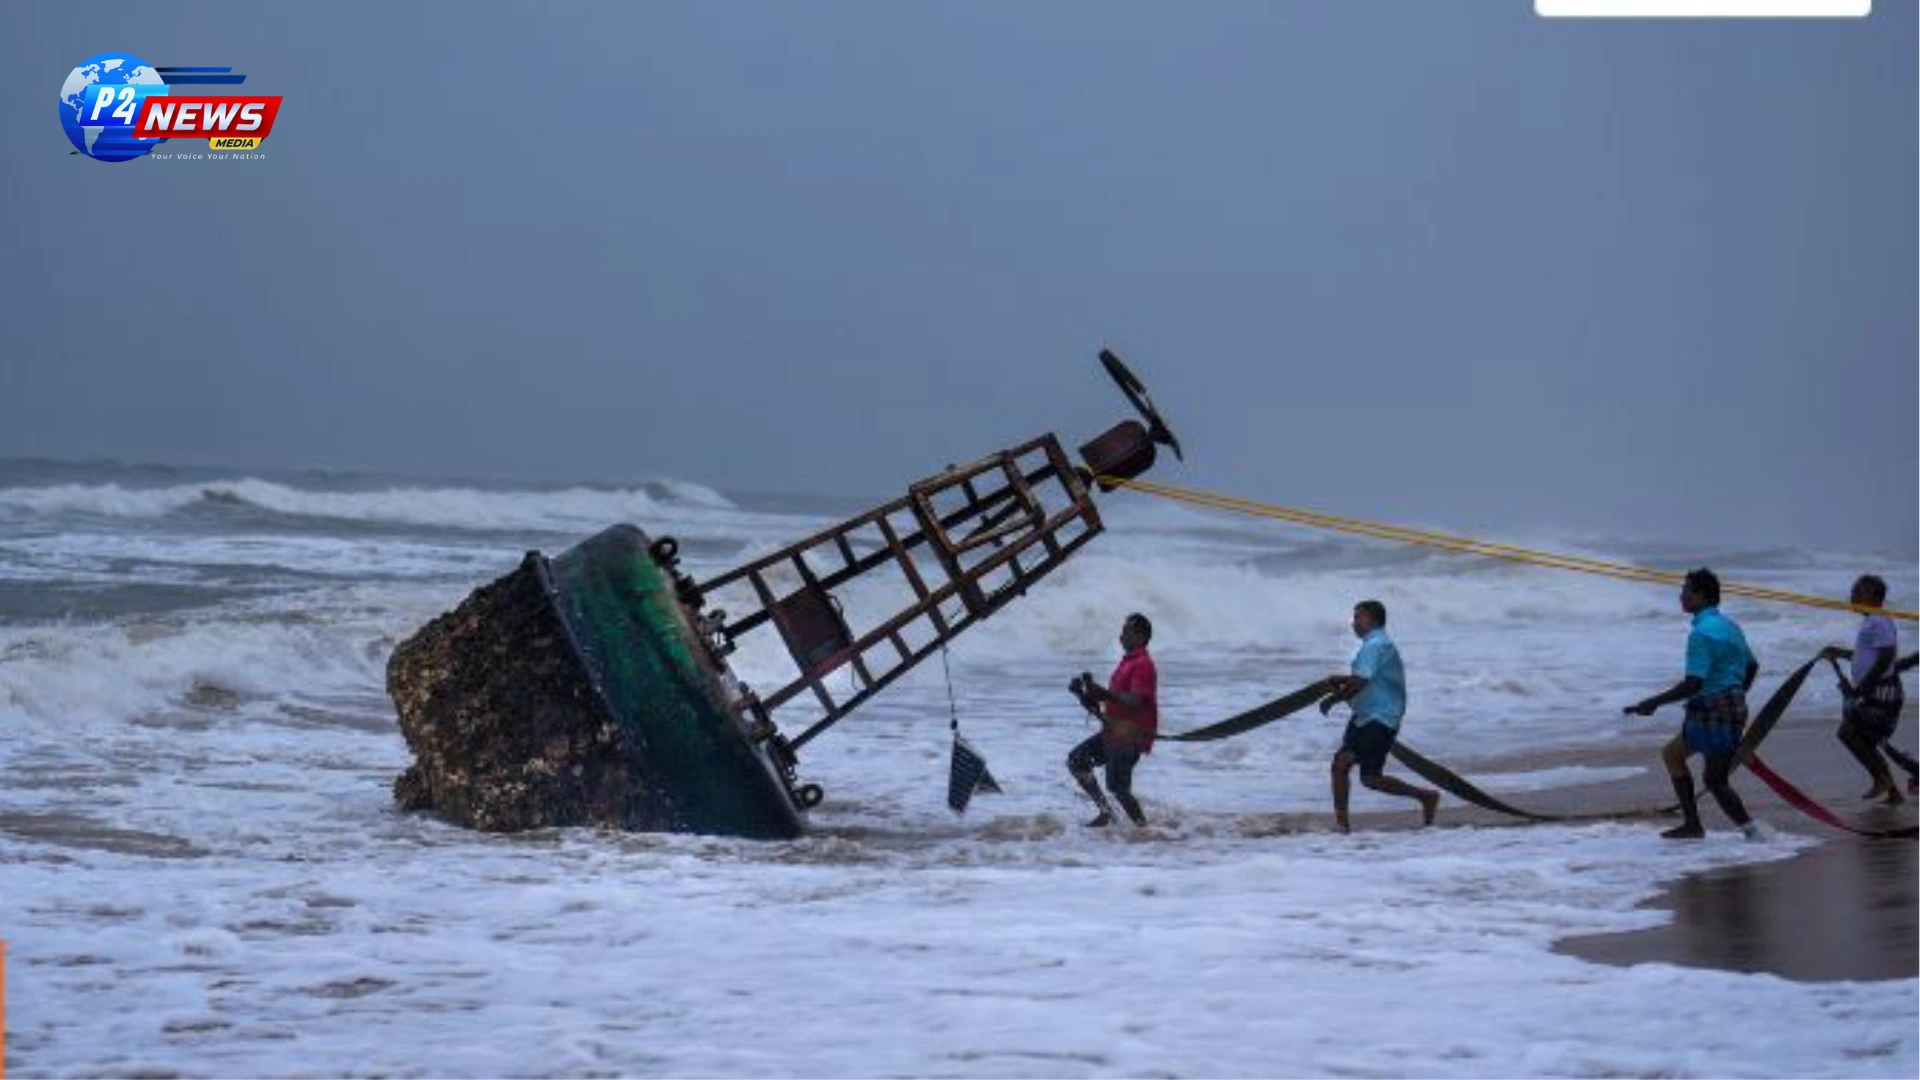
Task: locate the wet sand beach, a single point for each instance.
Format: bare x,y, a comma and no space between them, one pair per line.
1844,909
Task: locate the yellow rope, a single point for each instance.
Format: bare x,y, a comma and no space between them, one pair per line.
1467,546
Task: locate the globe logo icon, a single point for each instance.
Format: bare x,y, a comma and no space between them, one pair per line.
100,101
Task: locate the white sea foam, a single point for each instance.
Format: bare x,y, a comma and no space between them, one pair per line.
1542,779
182,557
567,509
361,943
66,680
204,873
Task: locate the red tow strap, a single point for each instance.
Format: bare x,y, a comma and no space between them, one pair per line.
1800,801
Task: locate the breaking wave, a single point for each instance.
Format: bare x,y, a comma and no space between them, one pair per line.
564,509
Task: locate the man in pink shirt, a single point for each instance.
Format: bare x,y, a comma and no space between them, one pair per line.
1128,708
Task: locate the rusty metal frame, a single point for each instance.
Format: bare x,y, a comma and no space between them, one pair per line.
992,547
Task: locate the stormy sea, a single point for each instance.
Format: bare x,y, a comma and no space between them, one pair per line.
202,870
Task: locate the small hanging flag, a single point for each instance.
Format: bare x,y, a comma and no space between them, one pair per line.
967,775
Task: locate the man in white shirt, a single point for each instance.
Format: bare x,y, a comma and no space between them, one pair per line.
1873,697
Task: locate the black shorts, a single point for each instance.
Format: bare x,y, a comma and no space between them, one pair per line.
1093,751
1369,744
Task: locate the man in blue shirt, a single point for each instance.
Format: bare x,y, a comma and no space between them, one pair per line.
1377,687
1720,669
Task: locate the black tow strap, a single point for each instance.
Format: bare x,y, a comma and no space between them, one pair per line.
1453,784
1763,724
1459,787
1283,706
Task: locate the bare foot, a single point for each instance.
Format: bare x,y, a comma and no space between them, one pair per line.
1429,806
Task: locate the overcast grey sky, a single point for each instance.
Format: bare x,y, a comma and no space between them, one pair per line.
1425,262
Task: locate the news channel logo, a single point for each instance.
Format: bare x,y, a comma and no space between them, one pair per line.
115,106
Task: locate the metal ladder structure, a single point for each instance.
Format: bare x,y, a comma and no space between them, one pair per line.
980,534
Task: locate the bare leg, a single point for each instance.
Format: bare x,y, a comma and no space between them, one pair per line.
1674,756
1120,782
1429,798
1719,766
1868,755
1900,758
1342,766
1099,799
1080,764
